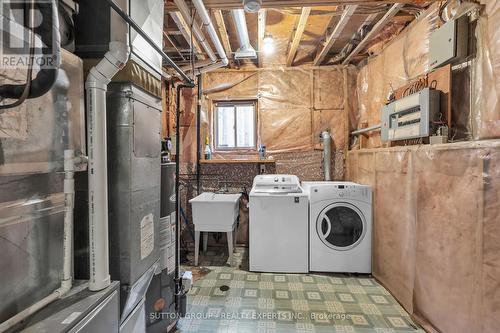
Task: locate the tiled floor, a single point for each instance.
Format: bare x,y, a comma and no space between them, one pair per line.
232,299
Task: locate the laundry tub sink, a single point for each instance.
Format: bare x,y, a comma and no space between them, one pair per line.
214,212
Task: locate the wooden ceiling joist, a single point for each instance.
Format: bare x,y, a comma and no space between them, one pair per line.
261,31
172,32
337,31
221,26
304,15
375,30
185,31
236,4
167,37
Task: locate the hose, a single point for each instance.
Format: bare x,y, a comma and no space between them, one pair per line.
29,74
46,77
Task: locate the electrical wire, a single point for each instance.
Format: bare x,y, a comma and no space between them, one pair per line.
442,6
29,74
415,87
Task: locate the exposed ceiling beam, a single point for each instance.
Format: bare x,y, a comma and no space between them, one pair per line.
221,26
375,30
167,37
368,20
304,15
172,31
346,15
186,33
236,4
261,31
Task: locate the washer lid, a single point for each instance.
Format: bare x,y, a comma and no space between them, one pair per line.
341,226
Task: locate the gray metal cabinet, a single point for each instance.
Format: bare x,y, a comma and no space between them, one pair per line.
133,142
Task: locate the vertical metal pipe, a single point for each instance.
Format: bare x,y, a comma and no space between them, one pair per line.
198,135
327,154
177,188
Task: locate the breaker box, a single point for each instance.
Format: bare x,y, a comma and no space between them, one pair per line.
449,43
410,117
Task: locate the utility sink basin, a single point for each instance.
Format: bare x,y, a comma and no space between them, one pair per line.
214,211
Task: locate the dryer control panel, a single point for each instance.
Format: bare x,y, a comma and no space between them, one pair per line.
338,190
350,191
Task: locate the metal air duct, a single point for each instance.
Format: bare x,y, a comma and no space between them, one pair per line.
246,51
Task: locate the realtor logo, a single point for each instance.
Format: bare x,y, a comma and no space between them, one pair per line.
18,20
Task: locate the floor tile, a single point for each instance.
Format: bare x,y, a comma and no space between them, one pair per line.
231,299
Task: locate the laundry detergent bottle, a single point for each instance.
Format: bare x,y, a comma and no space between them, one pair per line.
208,151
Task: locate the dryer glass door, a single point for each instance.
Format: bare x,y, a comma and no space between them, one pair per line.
341,226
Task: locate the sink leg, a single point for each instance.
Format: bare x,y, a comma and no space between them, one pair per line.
234,239
230,245
205,241
196,247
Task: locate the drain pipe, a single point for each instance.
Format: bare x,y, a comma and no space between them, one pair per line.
96,86
205,65
327,154
207,22
67,279
186,15
178,278
198,135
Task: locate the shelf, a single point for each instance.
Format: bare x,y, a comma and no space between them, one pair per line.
236,161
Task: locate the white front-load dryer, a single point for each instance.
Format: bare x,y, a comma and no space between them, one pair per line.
340,227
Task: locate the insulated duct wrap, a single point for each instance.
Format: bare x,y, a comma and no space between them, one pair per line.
436,231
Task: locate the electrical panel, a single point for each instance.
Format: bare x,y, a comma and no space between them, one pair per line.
410,117
449,43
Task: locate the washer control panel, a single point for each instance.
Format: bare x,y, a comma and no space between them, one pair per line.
276,183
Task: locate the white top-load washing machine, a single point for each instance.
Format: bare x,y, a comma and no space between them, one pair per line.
340,227
278,226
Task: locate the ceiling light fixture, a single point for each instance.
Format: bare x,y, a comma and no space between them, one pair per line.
268,39
268,46
252,6
268,49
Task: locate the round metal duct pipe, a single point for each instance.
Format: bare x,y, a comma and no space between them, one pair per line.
252,6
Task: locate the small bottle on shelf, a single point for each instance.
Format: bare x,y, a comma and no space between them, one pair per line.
208,151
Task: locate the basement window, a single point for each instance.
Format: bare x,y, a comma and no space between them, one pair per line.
235,124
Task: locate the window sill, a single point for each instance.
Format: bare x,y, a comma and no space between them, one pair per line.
238,161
